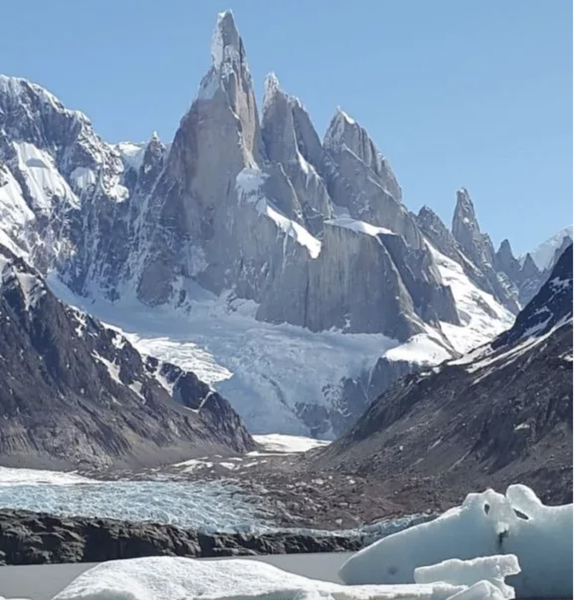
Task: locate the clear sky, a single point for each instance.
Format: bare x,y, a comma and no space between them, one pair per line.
474,93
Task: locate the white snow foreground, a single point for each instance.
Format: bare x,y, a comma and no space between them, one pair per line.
168,578
484,525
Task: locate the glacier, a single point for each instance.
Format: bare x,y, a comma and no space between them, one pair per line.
269,371
203,506
220,506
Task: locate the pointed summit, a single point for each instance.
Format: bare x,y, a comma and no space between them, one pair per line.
344,134
226,43
226,91
272,88
529,267
466,231
464,218
505,262
338,130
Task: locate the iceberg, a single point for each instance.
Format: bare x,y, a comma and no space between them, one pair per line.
485,525
168,578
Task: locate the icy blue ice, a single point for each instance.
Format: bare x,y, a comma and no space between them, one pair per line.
216,506
206,506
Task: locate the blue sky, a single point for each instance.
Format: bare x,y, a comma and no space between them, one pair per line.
454,93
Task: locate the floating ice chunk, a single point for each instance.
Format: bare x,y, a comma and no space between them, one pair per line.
483,590
492,569
167,578
486,524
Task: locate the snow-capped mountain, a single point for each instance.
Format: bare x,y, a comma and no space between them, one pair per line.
75,393
545,254
242,210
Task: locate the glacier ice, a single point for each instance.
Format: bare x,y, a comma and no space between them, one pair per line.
493,569
204,506
486,524
166,578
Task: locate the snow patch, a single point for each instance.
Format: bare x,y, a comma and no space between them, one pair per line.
482,316
113,369
132,153
421,349
358,226
14,212
42,177
83,178
286,444
248,183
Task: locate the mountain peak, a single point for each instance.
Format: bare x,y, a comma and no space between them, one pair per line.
463,201
226,43
505,248
272,87
341,114
464,217
338,128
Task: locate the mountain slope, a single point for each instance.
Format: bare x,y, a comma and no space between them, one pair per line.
500,414
74,393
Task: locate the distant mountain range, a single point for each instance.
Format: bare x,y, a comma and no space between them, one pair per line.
242,208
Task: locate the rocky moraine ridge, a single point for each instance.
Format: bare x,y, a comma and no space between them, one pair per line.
330,245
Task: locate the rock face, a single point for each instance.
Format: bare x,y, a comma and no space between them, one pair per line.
76,394
500,415
36,538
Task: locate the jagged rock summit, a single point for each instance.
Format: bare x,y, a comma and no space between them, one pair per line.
257,207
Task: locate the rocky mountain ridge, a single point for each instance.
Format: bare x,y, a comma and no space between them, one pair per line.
75,394
498,415
315,232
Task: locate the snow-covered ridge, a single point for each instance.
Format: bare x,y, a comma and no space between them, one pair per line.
482,316
543,254
359,226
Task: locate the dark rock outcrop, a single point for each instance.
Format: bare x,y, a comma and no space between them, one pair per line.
35,538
